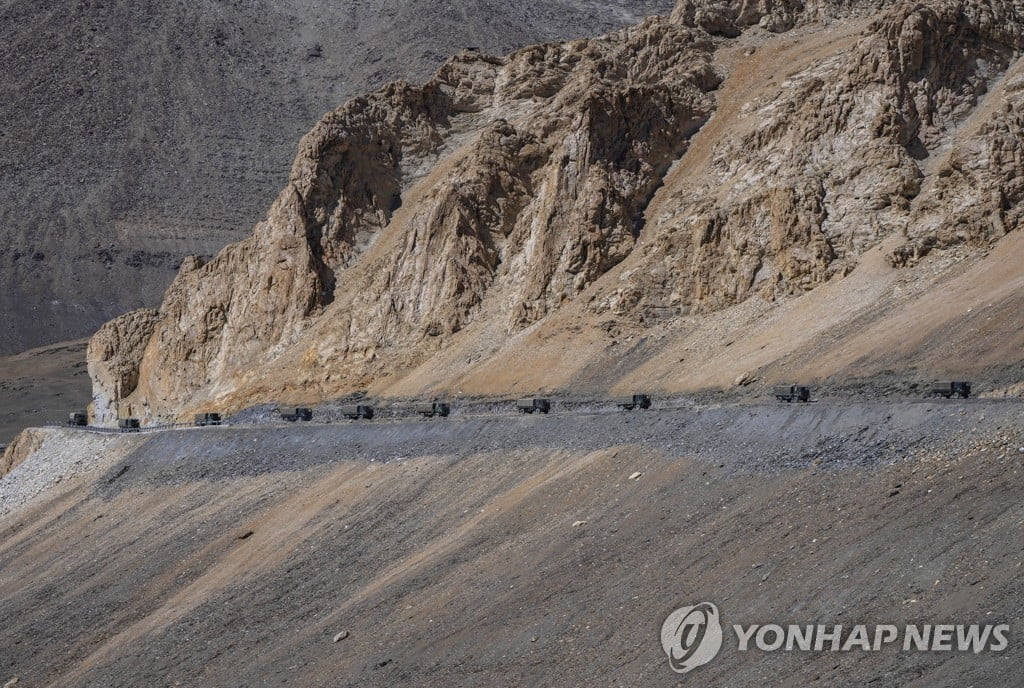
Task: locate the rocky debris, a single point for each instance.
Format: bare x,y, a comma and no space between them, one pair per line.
385,552
578,524
120,472
636,476
769,438
52,456
745,379
506,188
731,17
23,446
341,636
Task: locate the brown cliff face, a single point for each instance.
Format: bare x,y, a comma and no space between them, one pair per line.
115,355
833,160
572,178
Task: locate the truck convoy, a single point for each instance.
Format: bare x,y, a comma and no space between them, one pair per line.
357,412
128,424
784,393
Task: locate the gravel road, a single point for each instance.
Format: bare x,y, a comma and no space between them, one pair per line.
764,438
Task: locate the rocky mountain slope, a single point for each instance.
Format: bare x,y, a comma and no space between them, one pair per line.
133,134
622,210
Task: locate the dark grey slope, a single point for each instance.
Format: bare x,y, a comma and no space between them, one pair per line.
134,133
504,551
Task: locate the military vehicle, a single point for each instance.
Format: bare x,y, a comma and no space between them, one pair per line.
78,419
791,393
961,389
294,413
531,405
204,419
634,401
128,424
434,408
357,411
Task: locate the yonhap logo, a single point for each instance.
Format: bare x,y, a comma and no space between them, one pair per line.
692,636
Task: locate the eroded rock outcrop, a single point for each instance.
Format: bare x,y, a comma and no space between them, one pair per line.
527,177
731,17
22,447
975,196
114,356
835,160
506,188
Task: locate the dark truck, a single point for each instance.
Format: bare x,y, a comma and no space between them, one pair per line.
531,405
634,401
434,408
204,419
128,424
294,413
357,411
960,388
78,419
791,393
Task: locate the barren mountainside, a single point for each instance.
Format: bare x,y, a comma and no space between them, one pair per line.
696,206
135,133
513,551
823,184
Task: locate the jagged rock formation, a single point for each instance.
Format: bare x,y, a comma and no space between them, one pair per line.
726,18
135,133
832,162
505,190
114,355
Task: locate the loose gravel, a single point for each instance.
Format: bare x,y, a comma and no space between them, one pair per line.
64,456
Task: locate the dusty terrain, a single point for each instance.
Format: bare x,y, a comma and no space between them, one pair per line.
133,134
447,549
42,385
